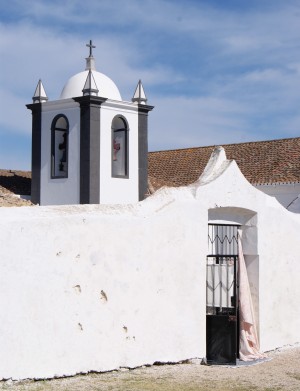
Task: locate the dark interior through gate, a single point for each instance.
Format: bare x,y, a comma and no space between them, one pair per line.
222,315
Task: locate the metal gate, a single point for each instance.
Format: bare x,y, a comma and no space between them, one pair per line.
222,294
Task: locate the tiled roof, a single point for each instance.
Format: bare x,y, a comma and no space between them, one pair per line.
261,162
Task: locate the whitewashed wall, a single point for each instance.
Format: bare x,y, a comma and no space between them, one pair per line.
287,194
87,288
275,268
118,190
60,191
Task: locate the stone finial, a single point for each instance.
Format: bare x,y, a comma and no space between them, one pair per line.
139,95
90,86
40,95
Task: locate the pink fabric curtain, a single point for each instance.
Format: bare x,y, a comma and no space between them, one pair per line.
249,345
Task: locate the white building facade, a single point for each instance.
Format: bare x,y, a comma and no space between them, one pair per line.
89,146
99,287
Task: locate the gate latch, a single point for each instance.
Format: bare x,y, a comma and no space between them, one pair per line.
232,318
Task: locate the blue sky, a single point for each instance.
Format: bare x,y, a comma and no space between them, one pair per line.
217,71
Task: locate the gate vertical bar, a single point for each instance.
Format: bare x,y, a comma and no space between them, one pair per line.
222,313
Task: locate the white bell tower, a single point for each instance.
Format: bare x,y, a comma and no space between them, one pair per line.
89,146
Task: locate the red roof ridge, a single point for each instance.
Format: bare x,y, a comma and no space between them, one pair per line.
226,145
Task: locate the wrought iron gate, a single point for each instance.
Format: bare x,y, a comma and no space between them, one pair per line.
222,294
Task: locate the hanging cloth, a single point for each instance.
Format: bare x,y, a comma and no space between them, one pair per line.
249,345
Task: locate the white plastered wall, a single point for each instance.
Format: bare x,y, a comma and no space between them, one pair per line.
277,261
60,191
101,287
98,288
286,193
118,190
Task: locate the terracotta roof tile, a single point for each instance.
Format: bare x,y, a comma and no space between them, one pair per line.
261,162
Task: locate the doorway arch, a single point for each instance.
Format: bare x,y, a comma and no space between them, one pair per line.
225,223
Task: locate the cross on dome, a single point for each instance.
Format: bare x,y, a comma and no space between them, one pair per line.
91,46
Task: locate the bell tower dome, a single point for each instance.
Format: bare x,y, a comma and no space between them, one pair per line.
89,146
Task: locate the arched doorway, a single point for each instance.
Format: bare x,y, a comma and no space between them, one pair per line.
229,230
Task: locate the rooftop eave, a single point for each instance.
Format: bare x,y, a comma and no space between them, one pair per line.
275,183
